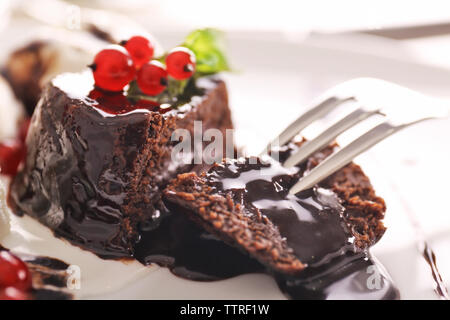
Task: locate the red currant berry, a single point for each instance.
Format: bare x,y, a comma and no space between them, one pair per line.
113,69
152,78
180,63
11,293
140,49
11,155
13,272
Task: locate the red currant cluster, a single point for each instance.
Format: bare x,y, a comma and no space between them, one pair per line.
15,278
117,66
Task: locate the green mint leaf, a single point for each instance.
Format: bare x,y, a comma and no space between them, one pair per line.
209,47
176,87
173,94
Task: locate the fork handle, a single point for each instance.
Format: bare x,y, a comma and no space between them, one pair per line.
344,156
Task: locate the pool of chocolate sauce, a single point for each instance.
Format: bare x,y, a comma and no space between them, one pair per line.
53,276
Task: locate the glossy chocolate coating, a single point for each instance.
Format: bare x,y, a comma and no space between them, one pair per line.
96,162
313,223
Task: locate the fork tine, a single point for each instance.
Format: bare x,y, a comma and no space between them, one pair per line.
328,136
305,119
344,156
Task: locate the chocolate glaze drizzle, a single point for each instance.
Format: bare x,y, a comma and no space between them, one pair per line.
424,248
430,258
49,277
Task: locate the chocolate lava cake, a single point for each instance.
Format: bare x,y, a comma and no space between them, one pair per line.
94,171
246,203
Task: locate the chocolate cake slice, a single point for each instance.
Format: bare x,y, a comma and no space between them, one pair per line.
94,169
246,203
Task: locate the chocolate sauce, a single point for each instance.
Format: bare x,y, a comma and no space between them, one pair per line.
311,221
190,252
429,256
423,247
49,277
99,33
349,277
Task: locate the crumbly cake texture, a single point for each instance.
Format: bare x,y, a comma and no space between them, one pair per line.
257,235
93,179
220,215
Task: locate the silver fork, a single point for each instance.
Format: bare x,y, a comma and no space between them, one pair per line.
400,108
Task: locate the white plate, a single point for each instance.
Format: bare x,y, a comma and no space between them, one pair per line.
276,77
